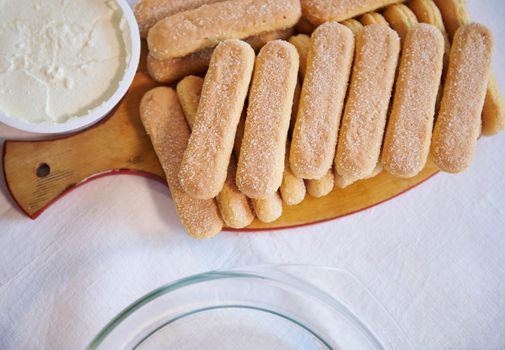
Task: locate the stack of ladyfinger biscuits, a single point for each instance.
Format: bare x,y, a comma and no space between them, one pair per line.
336,92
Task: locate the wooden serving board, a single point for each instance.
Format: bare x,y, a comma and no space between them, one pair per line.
39,172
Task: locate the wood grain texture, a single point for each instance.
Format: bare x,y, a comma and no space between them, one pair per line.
119,144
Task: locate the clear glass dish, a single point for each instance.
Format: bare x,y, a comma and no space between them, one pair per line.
266,307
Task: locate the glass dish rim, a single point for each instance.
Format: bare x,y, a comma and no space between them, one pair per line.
258,272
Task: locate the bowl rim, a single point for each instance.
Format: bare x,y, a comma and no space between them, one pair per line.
100,112
268,272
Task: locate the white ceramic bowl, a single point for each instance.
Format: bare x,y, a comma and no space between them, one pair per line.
81,122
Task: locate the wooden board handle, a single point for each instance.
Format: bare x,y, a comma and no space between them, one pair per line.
38,172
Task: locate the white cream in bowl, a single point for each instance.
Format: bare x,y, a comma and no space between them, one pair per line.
62,60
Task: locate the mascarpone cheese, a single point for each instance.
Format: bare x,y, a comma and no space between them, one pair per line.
59,59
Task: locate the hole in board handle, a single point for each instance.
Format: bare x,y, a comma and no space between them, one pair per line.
43,170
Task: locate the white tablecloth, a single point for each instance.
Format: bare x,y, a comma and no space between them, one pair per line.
434,257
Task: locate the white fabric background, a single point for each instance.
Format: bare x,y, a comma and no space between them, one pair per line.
435,257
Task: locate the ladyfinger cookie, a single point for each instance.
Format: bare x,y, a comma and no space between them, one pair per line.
458,124
292,188
294,112
302,44
260,40
321,102
148,12
205,162
343,182
189,91
400,18
240,133
320,11
360,140
194,30
323,186
233,204
493,113
427,12
304,26
455,15
372,18
268,209
173,69
408,135
354,25
163,119
261,162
